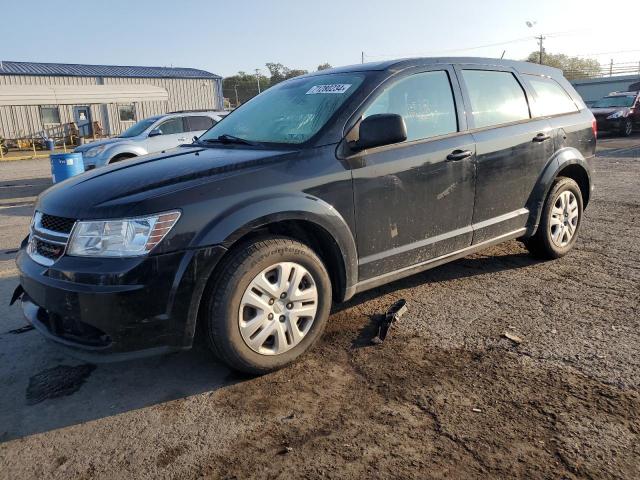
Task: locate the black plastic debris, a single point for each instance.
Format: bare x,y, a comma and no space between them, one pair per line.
17,293
57,382
393,315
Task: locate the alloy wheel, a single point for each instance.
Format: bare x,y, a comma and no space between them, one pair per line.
278,308
564,218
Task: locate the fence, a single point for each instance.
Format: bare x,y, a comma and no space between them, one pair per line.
610,70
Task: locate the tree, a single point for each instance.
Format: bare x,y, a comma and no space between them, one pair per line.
242,87
279,72
572,67
324,66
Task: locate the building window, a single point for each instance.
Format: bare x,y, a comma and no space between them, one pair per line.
126,113
50,115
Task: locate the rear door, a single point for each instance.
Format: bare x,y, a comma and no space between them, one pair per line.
172,134
414,200
511,148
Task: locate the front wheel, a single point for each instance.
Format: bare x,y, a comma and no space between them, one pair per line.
560,221
268,304
627,128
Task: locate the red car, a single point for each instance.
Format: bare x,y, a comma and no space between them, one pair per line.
618,112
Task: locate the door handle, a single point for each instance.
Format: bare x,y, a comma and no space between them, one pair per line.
459,155
541,137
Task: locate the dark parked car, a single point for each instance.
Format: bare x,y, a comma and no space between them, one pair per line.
618,112
321,187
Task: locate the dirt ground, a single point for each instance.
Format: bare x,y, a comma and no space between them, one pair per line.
446,396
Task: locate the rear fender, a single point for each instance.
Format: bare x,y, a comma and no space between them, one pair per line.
560,160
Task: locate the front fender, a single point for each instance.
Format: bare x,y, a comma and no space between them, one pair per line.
559,161
119,149
229,226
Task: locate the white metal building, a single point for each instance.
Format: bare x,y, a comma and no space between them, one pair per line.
46,98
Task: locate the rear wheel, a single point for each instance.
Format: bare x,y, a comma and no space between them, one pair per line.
268,304
560,221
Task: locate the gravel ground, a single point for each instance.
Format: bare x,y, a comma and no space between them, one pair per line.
446,396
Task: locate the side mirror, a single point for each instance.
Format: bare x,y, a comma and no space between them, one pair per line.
381,129
155,132
195,138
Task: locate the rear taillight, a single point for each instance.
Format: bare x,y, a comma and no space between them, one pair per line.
594,127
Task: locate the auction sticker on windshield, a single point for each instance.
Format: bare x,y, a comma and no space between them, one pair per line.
331,88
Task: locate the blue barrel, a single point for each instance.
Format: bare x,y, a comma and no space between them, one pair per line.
65,165
50,144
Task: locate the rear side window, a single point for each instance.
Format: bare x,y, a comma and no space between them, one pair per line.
198,123
496,97
172,126
424,100
551,98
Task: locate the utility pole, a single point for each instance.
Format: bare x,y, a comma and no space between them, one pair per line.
258,78
611,68
235,87
540,40
362,59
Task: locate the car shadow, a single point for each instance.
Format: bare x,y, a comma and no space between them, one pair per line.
45,388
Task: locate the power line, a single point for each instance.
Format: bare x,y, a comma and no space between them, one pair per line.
378,55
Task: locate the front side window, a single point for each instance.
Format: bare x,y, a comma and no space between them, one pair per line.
126,113
49,115
172,126
551,98
496,97
424,100
199,123
290,112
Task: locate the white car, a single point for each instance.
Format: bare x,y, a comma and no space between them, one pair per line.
150,135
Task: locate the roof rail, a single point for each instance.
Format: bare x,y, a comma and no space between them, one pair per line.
194,111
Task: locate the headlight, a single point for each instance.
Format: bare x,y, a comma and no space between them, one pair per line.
618,114
130,237
92,152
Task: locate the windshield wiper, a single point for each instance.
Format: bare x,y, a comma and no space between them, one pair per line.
226,138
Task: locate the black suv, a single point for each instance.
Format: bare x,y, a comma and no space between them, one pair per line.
321,187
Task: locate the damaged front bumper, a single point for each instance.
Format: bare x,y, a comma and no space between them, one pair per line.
117,308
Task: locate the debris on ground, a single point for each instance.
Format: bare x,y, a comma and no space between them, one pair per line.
477,410
17,331
514,338
286,450
397,310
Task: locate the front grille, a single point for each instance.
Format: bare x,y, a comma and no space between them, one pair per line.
48,250
57,224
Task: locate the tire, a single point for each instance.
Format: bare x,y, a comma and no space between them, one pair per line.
558,228
233,293
627,128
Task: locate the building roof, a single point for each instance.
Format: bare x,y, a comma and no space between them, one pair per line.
78,70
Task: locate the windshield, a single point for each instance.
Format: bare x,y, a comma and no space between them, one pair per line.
138,128
619,101
290,112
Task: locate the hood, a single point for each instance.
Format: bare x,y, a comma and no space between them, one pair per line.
126,188
97,143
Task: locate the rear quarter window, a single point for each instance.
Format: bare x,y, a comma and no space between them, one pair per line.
551,98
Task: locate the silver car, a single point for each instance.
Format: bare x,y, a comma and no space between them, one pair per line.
150,135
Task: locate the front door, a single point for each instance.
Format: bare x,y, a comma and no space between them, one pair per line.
414,200
82,117
511,150
169,134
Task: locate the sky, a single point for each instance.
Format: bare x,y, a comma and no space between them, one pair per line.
225,37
